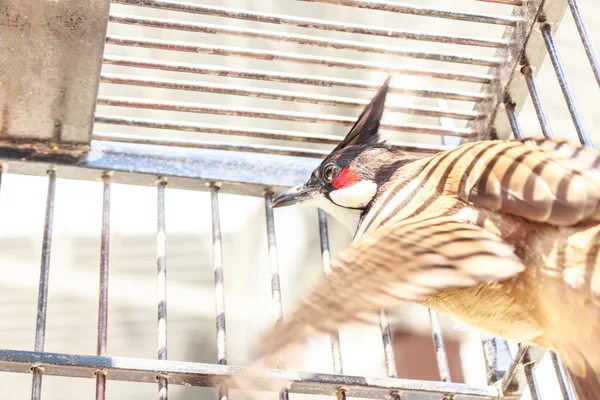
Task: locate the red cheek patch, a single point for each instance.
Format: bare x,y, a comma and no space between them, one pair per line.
347,177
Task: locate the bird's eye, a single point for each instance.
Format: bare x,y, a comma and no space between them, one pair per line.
330,172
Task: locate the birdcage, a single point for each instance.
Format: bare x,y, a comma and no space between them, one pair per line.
244,98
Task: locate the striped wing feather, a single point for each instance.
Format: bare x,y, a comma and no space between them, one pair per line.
538,179
401,261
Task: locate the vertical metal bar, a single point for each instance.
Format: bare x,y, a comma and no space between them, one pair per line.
497,358
40,328
103,291
585,38
390,357
326,260
564,85
161,245
563,381
438,344
537,102
530,376
274,269
514,122
219,286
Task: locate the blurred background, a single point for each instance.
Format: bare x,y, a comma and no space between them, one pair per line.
73,293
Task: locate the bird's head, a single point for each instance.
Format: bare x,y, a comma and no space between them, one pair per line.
349,177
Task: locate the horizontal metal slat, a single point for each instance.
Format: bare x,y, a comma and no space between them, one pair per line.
269,55
286,77
248,15
279,95
198,374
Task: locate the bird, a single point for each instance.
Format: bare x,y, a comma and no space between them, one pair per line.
503,235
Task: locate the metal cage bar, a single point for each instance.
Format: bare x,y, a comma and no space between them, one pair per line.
537,102
42,306
336,351
393,6
590,50
219,285
275,114
564,85
161,264
303,39
103,285
292,96
438,344
271,55
314,23
563,380
277,305
388,350
286,77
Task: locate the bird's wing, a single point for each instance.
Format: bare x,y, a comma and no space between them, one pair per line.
401,261
538,179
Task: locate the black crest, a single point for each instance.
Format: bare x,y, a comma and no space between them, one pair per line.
365,130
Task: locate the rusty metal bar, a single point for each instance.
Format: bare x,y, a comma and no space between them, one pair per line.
507,2
161,264
201,144
438,345
42,306
274,114
388,350
514,122
303,40
537,102
520,372
563,380
277,305
394,6
219,286
230,51
314,23
238,90
200,374
497,358
564,85
284,77
274,134
336,351
590,50
103,296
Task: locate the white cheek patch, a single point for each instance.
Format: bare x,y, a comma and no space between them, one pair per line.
355,196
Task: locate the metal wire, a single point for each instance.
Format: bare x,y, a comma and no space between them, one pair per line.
330,62
277,305
303,39
293,96
219,286
238,131
315,23
388,350
438,345
590,49
537,102
284,77
42,307
564,85
336,351
514,122
534,390
274,114
393,6
563,380
161,263
103,291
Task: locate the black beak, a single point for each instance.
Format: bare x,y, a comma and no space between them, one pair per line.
296,195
